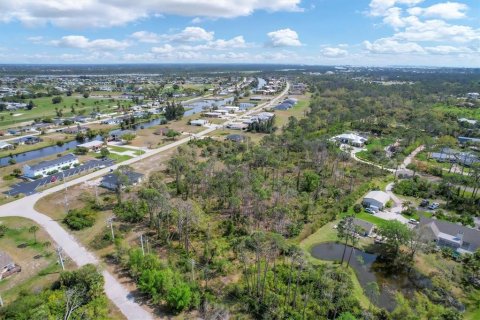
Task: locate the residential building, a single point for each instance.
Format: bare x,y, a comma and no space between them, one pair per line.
116,135
110,181
43,168
5,145
465,140
93,145
451,235
363,228
237,126
199,122
352,139
236,138
376,199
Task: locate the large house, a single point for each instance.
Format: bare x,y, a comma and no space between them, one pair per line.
376,199
451,235
110,181
352,139
45,167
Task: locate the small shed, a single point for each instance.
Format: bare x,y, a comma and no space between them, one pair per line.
363,228
236,138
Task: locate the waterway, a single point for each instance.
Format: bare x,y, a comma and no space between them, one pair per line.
368,270
55,149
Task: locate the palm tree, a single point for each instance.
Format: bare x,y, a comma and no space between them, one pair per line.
33,229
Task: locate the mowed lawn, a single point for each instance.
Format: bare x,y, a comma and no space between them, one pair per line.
45,108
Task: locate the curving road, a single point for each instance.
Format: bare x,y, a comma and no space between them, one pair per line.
24,208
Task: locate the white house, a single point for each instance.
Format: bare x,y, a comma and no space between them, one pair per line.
199,122
376,199
93,145
44,167
351,139
5,145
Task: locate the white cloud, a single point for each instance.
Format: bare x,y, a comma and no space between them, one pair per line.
284,38
146,36
192,34
392,46
380,7
448,50
331,52
166,49
393,17
101,13
220,44
82,42
445,10
436,30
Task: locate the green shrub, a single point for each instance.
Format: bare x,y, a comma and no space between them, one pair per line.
357,208
79,219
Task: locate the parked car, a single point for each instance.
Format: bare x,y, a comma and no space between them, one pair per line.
412,221
434,206
369,210
424,203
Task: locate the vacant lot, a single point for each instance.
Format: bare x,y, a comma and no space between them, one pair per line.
37,259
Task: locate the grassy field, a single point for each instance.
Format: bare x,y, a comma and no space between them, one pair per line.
298,111
45,108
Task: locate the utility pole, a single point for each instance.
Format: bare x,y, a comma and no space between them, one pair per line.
65,188
1,301
141,241
60,258
110,223
192,263
146,245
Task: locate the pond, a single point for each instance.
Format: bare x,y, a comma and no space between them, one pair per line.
367,270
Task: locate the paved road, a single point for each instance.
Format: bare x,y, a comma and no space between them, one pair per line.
115,291
81,256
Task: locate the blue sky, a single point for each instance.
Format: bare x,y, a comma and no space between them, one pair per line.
327,32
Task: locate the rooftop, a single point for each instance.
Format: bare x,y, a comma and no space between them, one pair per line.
54,162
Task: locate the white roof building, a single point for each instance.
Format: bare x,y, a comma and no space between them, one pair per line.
376,198
351,139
